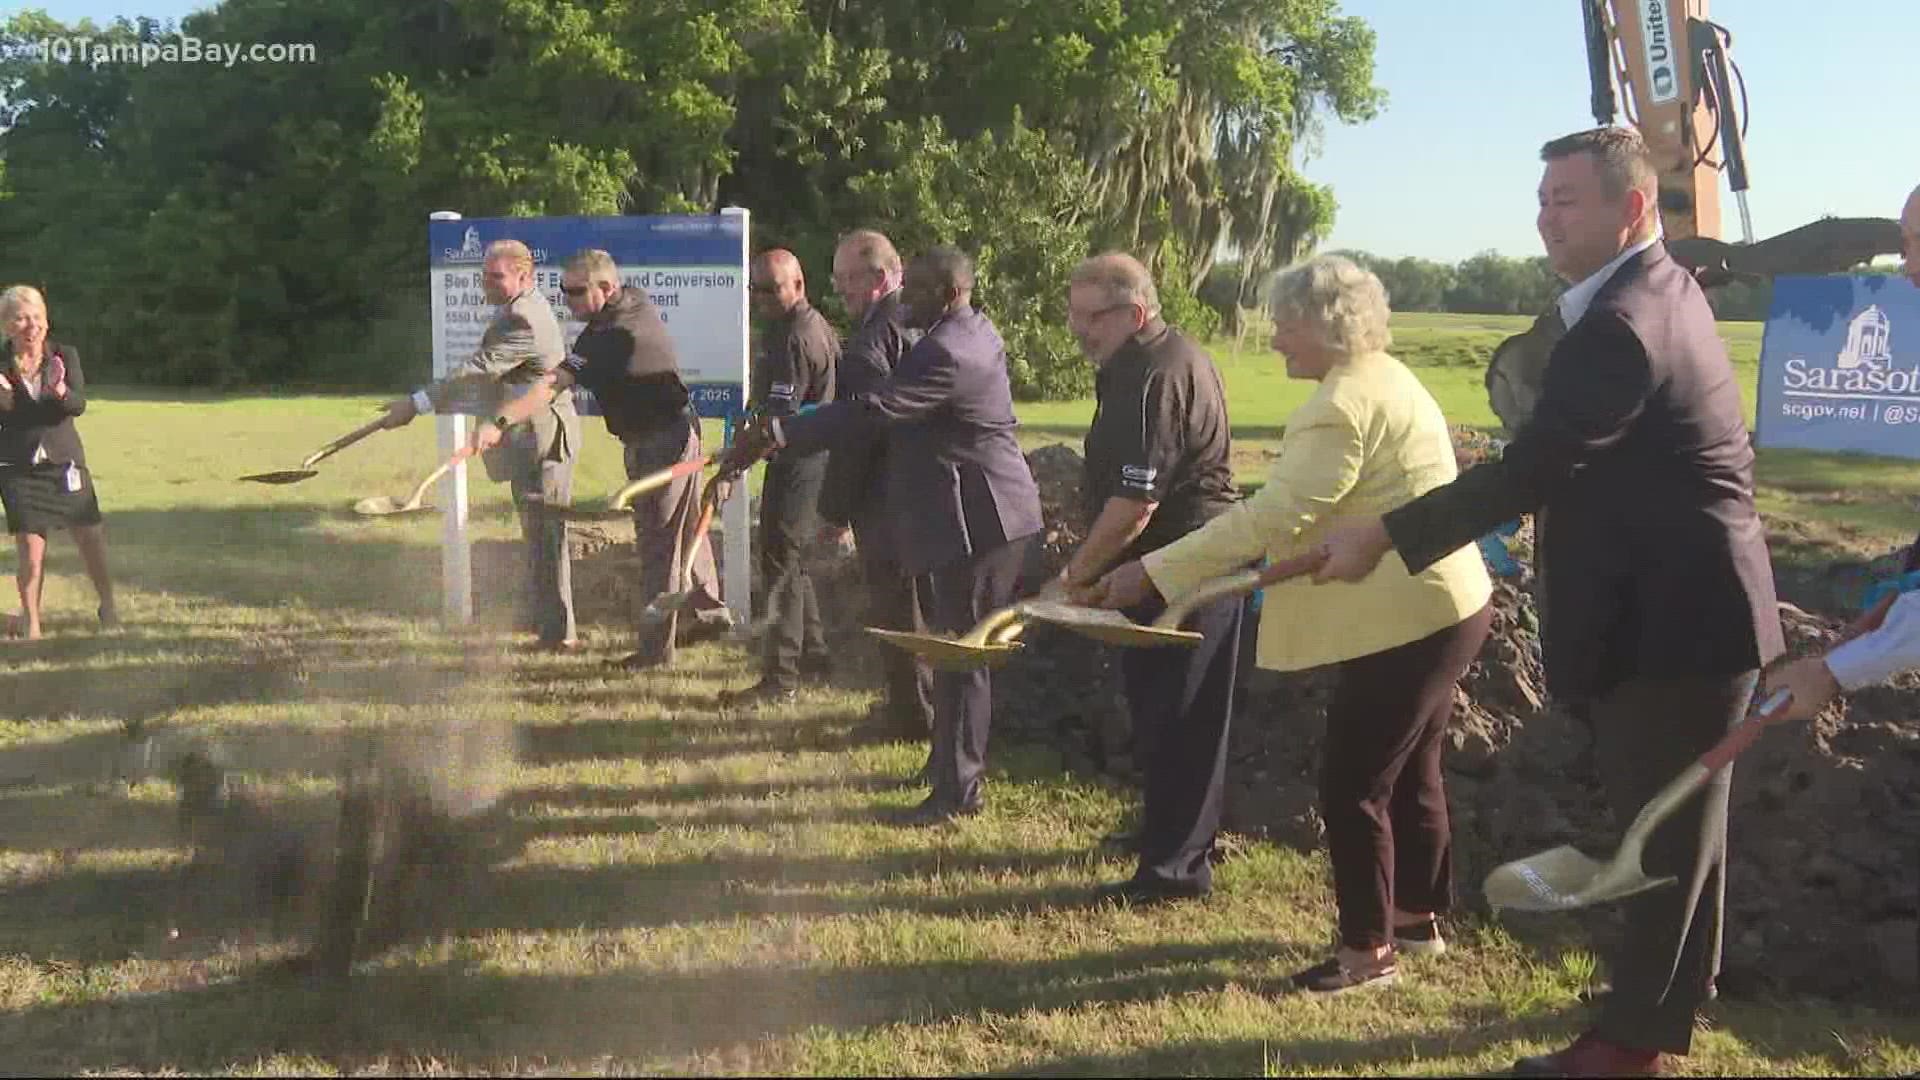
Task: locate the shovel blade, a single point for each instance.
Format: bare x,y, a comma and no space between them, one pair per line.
284,476
386,506
1562,878
1104,625
948,653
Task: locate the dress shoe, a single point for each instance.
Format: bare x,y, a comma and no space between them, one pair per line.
1591,1055
1332,978
933,811
640,661
764,692
1148,892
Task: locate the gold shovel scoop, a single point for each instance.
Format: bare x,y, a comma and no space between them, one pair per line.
1114,628
622,502
306,469
386,506
989,644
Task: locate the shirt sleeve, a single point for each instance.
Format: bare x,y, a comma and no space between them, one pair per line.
1147,440
1877,656
1320,460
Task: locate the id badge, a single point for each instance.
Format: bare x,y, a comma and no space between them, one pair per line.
73,477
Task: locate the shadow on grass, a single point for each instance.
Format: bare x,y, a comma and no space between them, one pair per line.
471,1019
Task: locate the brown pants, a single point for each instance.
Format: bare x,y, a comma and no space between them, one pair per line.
663,530
1381,790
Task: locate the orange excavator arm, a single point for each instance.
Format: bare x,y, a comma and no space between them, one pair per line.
1671,68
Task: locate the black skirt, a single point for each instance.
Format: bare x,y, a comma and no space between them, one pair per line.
37,499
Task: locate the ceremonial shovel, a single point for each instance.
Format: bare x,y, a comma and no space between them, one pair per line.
991,642
1562,878
623,499
668,603
306,469
385,506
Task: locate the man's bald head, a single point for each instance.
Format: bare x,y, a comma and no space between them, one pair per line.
1910,235
779,285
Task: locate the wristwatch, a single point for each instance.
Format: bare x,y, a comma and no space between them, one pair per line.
501,422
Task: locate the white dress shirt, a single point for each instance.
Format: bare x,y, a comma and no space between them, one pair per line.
1575,301
1877,656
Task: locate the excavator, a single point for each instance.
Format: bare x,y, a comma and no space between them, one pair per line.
1667,69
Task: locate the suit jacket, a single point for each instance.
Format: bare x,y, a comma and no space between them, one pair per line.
522,343
1369,439
33,422
1638,450
854,490
956,482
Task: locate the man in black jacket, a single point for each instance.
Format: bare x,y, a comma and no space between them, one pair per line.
866,274
1660,604
795,371
625,358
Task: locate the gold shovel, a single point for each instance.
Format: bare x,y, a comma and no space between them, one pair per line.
306,469
989,644
387,506
669,603
1114,628
622,502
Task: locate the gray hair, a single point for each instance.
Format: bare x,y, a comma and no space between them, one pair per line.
596,264
1121,277
15,296
1341,297
870,250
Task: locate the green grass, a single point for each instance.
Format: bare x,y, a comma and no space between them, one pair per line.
677,890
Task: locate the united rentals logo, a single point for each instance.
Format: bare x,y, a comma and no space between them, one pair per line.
1862,368
1656,31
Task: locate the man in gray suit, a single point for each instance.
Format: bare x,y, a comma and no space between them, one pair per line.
521,344
962,503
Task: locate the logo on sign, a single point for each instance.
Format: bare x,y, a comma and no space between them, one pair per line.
1863,366
471,250
1656,31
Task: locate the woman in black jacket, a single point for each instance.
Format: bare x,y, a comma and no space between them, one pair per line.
44,482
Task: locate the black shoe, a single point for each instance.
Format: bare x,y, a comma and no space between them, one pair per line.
817,669
932,812
640,661
1146,892
1333,978
764,692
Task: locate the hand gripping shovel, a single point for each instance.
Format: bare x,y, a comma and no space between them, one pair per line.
622,501
306,469
1116,629
387,506
1562,878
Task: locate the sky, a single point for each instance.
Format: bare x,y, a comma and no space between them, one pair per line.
1450,167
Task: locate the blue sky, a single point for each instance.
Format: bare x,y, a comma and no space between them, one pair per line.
1450,167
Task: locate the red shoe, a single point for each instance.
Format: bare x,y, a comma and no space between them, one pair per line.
1591,1055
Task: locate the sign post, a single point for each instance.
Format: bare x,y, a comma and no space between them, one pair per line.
694,267
1840,366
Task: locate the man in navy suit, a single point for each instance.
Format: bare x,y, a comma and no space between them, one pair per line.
1660,605
963,506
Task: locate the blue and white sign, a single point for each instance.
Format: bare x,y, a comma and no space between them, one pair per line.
1840,366
694,268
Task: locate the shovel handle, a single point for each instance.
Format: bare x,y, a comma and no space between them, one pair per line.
343,442
623,499
1744,733
1246,581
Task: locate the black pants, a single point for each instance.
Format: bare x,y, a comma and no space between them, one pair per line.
1182,700
1381,789
1645,732
964,591
789,522
897,600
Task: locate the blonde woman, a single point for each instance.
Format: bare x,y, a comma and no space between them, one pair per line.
44,481
1369,439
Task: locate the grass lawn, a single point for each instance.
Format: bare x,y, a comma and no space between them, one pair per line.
679,890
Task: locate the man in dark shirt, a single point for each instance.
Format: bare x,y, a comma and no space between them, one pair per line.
625,358
867,274
795,371
1156,469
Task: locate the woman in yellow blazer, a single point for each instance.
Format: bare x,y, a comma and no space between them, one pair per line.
1369,439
